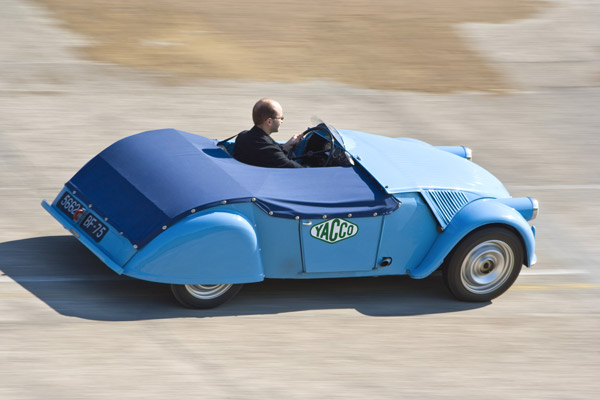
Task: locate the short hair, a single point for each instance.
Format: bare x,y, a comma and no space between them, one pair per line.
263,110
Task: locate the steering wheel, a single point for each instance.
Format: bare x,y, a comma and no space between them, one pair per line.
327,147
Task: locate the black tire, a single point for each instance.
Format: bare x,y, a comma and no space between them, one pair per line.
204,296
484,264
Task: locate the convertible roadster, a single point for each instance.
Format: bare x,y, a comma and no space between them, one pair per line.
174,207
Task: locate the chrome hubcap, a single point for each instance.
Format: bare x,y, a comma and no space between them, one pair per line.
207,292
487,266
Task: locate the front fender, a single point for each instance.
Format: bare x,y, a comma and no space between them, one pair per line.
474,215
212,247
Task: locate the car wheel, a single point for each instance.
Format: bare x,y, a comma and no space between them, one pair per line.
484,265
204,296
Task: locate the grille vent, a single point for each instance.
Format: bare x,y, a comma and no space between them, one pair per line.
445,204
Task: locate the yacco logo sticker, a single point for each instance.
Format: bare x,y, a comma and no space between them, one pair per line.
334,230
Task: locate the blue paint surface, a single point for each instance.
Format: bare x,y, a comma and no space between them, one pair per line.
181,210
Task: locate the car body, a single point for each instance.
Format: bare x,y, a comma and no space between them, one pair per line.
174,207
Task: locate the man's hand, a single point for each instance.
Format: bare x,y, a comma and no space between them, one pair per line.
294,140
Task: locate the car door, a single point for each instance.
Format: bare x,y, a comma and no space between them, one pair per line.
340,244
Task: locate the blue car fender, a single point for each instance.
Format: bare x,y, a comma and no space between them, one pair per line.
474,215
212,247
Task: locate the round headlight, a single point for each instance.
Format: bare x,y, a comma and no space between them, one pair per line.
536,208
468,154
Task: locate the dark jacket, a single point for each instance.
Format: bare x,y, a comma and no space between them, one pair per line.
256,147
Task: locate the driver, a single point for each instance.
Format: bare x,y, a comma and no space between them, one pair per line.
256,147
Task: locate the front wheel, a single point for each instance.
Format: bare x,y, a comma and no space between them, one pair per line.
204,296
484,265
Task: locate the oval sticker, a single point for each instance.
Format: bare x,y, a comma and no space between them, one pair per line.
334,230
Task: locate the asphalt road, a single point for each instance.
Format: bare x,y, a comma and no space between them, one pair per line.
72,329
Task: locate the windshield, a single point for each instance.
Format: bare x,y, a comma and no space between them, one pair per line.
321,146
319,123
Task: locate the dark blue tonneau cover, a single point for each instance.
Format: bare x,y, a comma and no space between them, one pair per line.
152,179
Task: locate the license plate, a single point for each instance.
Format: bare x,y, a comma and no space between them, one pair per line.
93,227
68,204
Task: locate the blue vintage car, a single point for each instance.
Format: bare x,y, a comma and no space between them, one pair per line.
173,207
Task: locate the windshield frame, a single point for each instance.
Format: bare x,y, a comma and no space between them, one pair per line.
322,125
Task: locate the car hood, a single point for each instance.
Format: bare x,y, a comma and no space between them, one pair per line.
408,165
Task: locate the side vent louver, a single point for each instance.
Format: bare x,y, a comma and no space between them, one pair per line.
445,204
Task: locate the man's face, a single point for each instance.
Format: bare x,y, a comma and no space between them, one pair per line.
277,119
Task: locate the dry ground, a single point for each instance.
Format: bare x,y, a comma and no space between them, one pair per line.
386,44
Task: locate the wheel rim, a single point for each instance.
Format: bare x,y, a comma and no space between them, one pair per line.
207,292
487,266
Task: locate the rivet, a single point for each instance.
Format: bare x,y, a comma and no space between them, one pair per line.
193,210
270,212
164,228
297,217
106,219
74,191
89,206
224,202
349,215
135,246
374,214
324,216
253,199
121,233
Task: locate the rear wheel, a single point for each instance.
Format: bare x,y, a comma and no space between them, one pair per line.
204,296
484,265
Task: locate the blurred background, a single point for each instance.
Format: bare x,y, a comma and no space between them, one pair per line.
516,80
399,45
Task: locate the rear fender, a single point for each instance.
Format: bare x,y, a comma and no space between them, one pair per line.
212,247
475,215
